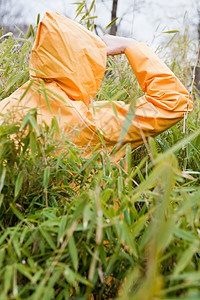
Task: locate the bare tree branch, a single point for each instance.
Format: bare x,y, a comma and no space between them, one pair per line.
113,29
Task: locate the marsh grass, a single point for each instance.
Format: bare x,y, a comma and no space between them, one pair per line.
79,228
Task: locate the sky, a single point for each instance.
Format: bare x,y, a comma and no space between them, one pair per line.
147,23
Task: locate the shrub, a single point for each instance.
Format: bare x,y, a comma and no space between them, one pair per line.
82,228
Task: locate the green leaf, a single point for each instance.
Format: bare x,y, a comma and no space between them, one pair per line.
106,195
48,238
16,212
1,199
182,143
38,19
8,278
126,236
33,145
185,235
127,122
33,122
62,229
120,186
45,96
92,160
4,236
16,246
14,80
189,276
2,256
86,216
27,89
2,178
46,177
186,258
55,125
24,270
18,183
164,234
73,252
71,277
110,24
91,6
171,31
127,216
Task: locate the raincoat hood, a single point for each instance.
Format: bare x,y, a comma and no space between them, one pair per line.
66,52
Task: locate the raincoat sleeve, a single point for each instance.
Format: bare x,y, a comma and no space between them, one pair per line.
166,98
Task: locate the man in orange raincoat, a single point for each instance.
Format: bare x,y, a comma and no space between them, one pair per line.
71,61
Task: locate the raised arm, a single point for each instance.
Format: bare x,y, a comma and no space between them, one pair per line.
166,98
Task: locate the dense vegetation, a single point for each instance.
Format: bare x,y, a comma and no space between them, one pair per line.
79,228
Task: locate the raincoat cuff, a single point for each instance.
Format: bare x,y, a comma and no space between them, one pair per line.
133,48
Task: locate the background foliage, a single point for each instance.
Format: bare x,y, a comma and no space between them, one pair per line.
87,228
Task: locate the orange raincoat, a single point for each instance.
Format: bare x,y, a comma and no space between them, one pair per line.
72,62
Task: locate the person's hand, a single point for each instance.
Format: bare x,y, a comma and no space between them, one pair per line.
116,44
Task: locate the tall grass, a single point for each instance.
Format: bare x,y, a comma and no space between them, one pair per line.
82,228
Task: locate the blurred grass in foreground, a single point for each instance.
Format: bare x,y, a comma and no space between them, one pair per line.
106,232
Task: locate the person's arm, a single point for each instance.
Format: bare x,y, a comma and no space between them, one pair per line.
117,44
166,98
